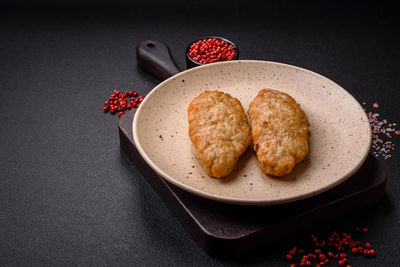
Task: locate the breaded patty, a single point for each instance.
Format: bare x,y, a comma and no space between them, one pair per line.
219,130
280,131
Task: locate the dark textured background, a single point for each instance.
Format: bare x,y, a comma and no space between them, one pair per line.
68,196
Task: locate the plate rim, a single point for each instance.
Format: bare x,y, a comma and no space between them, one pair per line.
236,201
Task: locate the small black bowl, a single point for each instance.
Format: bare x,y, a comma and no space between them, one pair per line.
190,63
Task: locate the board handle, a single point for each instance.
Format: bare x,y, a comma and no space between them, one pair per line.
155,58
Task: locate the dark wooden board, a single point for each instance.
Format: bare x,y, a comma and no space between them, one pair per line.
224,229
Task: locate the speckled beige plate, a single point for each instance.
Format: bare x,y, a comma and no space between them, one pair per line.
340,134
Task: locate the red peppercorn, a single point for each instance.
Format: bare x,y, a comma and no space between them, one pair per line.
119,101
211,50
292,265
366,252
340,241
289,257
372,252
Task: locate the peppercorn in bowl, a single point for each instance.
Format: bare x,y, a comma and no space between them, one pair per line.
210,49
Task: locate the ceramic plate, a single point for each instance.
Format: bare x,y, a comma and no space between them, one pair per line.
340,134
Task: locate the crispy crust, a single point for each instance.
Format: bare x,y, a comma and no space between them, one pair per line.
219,130
280,131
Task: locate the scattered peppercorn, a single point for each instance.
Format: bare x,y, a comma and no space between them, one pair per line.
211,50
119,102
323,254
382,138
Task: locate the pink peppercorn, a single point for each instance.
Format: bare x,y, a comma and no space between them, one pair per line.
210,50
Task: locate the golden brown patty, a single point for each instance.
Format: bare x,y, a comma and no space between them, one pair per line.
219,130
280,131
